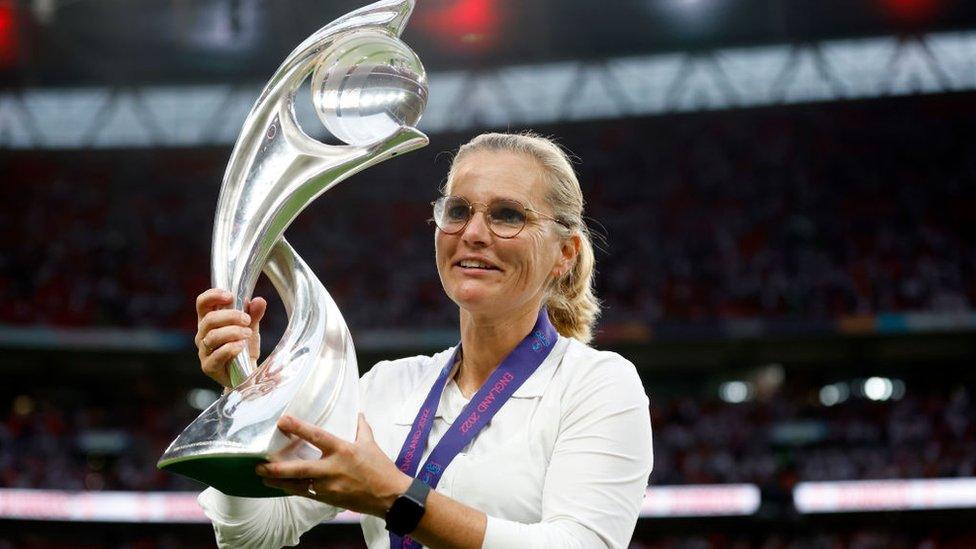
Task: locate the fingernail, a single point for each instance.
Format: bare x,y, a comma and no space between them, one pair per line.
248,332
261,470
246,318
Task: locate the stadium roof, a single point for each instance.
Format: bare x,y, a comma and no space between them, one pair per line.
48,43
518,95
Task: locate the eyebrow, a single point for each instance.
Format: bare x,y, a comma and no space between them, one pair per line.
522,202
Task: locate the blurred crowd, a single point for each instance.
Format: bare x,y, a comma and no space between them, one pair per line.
802,213
787,439
809,214
75,439
81,439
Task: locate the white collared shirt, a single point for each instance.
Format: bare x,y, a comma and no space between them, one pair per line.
564,463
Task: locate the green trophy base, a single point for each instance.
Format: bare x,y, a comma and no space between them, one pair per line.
232,475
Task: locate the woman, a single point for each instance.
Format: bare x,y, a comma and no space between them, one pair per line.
564,460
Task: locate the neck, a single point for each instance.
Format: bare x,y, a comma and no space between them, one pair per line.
487,341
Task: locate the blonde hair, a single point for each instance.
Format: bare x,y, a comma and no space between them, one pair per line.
572,304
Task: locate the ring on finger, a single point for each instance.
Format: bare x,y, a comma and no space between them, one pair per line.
311,488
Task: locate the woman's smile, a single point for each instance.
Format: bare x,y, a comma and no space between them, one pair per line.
476,271
475,265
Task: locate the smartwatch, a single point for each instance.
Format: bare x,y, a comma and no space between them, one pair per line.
407,510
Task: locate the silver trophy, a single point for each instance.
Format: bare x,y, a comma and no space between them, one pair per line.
369,89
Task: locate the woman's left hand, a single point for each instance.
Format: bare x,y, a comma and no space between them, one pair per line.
352,475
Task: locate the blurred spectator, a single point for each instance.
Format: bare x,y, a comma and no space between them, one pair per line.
800,213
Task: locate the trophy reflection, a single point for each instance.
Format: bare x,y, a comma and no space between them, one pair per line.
369,89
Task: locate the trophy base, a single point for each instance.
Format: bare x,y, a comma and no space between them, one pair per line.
232,475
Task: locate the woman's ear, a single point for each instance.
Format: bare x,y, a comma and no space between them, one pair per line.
568,252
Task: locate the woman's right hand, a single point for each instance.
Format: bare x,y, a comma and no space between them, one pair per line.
223,332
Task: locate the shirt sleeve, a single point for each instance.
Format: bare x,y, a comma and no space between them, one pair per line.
261,522
266,522
597,476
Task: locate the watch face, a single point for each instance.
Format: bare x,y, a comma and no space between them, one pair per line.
407,510
404,516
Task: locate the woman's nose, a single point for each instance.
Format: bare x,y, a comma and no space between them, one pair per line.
477,231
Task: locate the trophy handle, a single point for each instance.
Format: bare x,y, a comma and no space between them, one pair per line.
314,168
315,328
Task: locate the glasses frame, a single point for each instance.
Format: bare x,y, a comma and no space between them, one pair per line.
488,218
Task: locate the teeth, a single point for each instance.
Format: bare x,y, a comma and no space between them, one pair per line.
476,264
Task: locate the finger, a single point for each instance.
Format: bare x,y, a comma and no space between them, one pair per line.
211,299
215,365
288,451
321,439
223,317
223,354
296,468
225,334
364,433
256,309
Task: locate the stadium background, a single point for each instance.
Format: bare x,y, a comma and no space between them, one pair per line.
786,195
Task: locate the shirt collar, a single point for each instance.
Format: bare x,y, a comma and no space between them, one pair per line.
533,387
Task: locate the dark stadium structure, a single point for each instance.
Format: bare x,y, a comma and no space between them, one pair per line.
795,280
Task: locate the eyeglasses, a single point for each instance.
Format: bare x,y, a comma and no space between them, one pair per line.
506,218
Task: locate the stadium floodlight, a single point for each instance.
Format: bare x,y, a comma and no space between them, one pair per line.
200,399
897,389
878,388
834,393
735,392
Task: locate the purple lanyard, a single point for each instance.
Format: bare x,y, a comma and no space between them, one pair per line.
503,382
